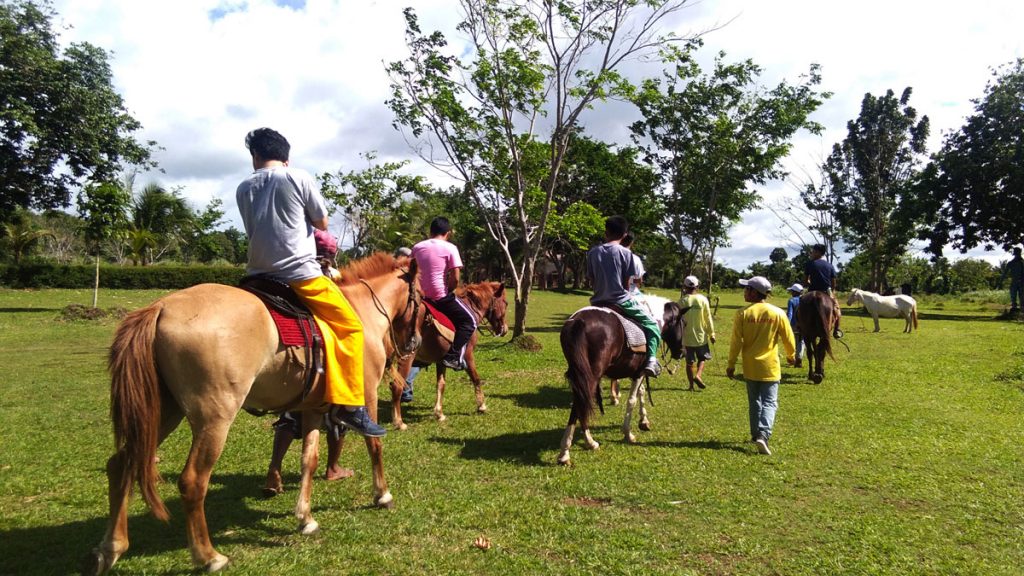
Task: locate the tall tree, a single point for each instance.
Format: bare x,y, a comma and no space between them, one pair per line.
711,136
21,235
61,121
974,186
871,174
533,65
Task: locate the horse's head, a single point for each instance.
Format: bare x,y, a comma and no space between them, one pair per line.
406,324
672,329
854,296
495,313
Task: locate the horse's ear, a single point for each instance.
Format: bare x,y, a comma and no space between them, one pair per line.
500,290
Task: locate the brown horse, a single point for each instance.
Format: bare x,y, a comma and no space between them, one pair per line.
487,302
815,321
206,352
594,346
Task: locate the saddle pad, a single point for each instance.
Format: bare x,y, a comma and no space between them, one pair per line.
439,317
289,329
635,338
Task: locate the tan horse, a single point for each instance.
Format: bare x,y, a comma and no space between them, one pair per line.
487,302
206,352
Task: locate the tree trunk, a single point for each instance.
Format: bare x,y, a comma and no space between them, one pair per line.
523,297
96,286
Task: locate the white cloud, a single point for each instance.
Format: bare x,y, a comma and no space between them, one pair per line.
199,74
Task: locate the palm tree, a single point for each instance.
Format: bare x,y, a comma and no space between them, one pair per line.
22,235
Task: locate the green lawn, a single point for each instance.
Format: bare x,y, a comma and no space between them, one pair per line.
906,460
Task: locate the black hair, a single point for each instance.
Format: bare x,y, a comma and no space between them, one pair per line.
615,227
439,226
820,248
268,144
1016,251
627,240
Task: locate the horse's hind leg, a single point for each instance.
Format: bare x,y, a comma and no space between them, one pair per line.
207,445
627,431
567,436
115,541
645,423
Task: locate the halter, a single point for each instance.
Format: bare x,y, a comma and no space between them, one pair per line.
411,302
486,314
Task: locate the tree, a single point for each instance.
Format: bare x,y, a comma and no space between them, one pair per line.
974,186
871,174
104,207
711,135
62,124
22,235
532,65
374,203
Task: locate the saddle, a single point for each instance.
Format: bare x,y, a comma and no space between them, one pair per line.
635,338
296,327
445,327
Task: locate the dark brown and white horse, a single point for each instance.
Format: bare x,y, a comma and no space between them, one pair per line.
594,345
815,320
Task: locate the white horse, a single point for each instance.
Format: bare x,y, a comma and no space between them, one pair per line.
899,306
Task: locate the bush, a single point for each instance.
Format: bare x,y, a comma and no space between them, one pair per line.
49,275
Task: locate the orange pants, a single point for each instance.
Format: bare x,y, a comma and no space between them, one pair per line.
343,338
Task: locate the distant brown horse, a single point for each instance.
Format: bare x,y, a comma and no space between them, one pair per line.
594,345
815,321
206,352
487,302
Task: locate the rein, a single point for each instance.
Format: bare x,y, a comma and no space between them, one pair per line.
384,312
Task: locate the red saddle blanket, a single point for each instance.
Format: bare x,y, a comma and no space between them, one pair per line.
290,330
439,316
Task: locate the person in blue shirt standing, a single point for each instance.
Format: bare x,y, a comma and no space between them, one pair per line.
821,277
791,307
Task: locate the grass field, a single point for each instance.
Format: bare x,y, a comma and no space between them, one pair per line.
906,460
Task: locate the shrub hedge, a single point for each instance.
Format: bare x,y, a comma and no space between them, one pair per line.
46,275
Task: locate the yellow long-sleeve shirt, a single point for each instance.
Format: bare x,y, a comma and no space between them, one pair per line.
757,331
699,325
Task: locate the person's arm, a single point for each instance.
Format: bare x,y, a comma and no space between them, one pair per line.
735,345
320,224
708,321
788,341
453,279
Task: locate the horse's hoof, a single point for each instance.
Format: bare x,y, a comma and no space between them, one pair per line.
309,529
630,438
402,426
217,564
563,459
386,501
440,417
95,563
482,409
817,378
645,426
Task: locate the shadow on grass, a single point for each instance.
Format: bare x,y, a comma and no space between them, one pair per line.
735,446
13,310
543,398
61,548
523,448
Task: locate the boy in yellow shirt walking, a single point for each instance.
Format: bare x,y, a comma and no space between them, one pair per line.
757,331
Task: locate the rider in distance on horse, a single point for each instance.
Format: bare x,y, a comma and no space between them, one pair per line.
609,267
821,277
440,263
280,207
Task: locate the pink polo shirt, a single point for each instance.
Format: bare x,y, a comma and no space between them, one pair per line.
434,258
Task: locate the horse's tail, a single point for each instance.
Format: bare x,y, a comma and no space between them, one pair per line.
913,315
579,374
135,404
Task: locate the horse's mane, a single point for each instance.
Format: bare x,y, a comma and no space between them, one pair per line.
479,291
376,264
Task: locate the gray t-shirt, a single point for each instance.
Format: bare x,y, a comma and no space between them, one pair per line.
278,206
608,265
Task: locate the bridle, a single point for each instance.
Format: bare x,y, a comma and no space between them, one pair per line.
412,302
487,314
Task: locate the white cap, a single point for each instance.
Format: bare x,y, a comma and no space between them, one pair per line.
759,283
403,251
691,282
798,288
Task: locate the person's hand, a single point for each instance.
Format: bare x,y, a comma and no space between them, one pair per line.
791,361
730,372
712,339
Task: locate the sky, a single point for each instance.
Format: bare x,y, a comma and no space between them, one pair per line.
199,74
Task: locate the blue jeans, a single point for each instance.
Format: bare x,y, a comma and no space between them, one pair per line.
762,402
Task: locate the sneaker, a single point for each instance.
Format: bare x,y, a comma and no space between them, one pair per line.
699,383
453,363
652,368
357,420
762,446
406,395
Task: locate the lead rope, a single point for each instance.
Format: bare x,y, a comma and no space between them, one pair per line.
384,312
